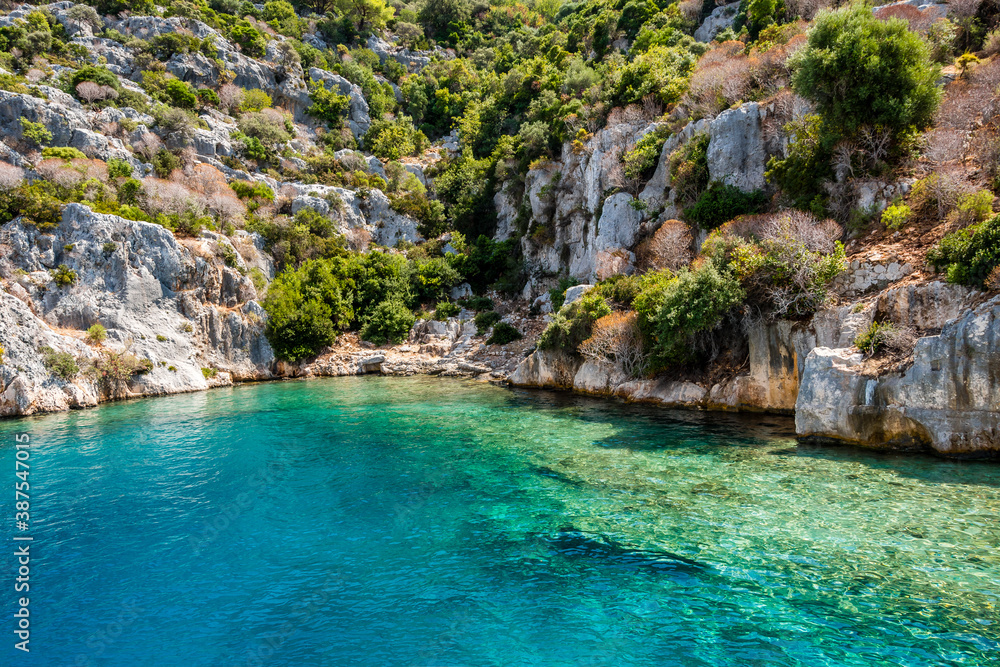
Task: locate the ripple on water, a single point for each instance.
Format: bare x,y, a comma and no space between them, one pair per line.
388,521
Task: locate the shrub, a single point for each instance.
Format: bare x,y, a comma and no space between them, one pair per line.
432,277
328,105
974,207
36,133
115,370
895,216
446,309
503,333
641,161
164,163
62,153
860,70
692,305
61,364
263,126
477,303
96,334
723,202
668,248
389,322
63,275
620,289
485,320
254,100
785,262
306,308
572,324
118,168
969,255
99,75
616,338
689,169
180,94
209,373
391,140
884,336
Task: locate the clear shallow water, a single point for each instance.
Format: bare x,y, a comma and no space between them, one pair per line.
371,521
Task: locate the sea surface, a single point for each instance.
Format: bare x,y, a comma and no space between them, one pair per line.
439,522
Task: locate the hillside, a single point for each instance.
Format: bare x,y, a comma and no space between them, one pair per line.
780,206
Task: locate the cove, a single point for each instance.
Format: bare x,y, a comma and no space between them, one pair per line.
426,521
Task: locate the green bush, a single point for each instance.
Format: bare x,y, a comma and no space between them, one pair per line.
648,300
875,338
432,277
257,125
620,289
393,139
99,75
969,255
689,169
96,334
722,202
895,216
62,153
860,70
61,364
641,161
306,308
254,99
328,105
693,304
63,275
250,41
446,309
485,320
118,168
573,323
209,373
477,303
164,163
389,322
503,333
180,94
36,133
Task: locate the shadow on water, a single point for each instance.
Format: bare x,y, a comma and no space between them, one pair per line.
573,543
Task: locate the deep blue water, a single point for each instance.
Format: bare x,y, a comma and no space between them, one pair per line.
423,521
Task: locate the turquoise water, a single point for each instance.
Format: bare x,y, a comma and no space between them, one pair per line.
432,522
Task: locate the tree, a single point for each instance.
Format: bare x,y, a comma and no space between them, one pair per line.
438,16
367,14
860,70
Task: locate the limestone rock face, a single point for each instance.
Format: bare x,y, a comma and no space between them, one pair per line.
175,303
946,400
720,19
736,154
62,120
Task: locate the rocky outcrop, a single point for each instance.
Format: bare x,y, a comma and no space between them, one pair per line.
178,304
373,213
358,119
946,400
720,19
576,228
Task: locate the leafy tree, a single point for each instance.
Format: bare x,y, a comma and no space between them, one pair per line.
328,105
389,322
440,17
861,70
307,307
367,14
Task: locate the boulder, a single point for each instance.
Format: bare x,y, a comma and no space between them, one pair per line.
736,154
720,19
